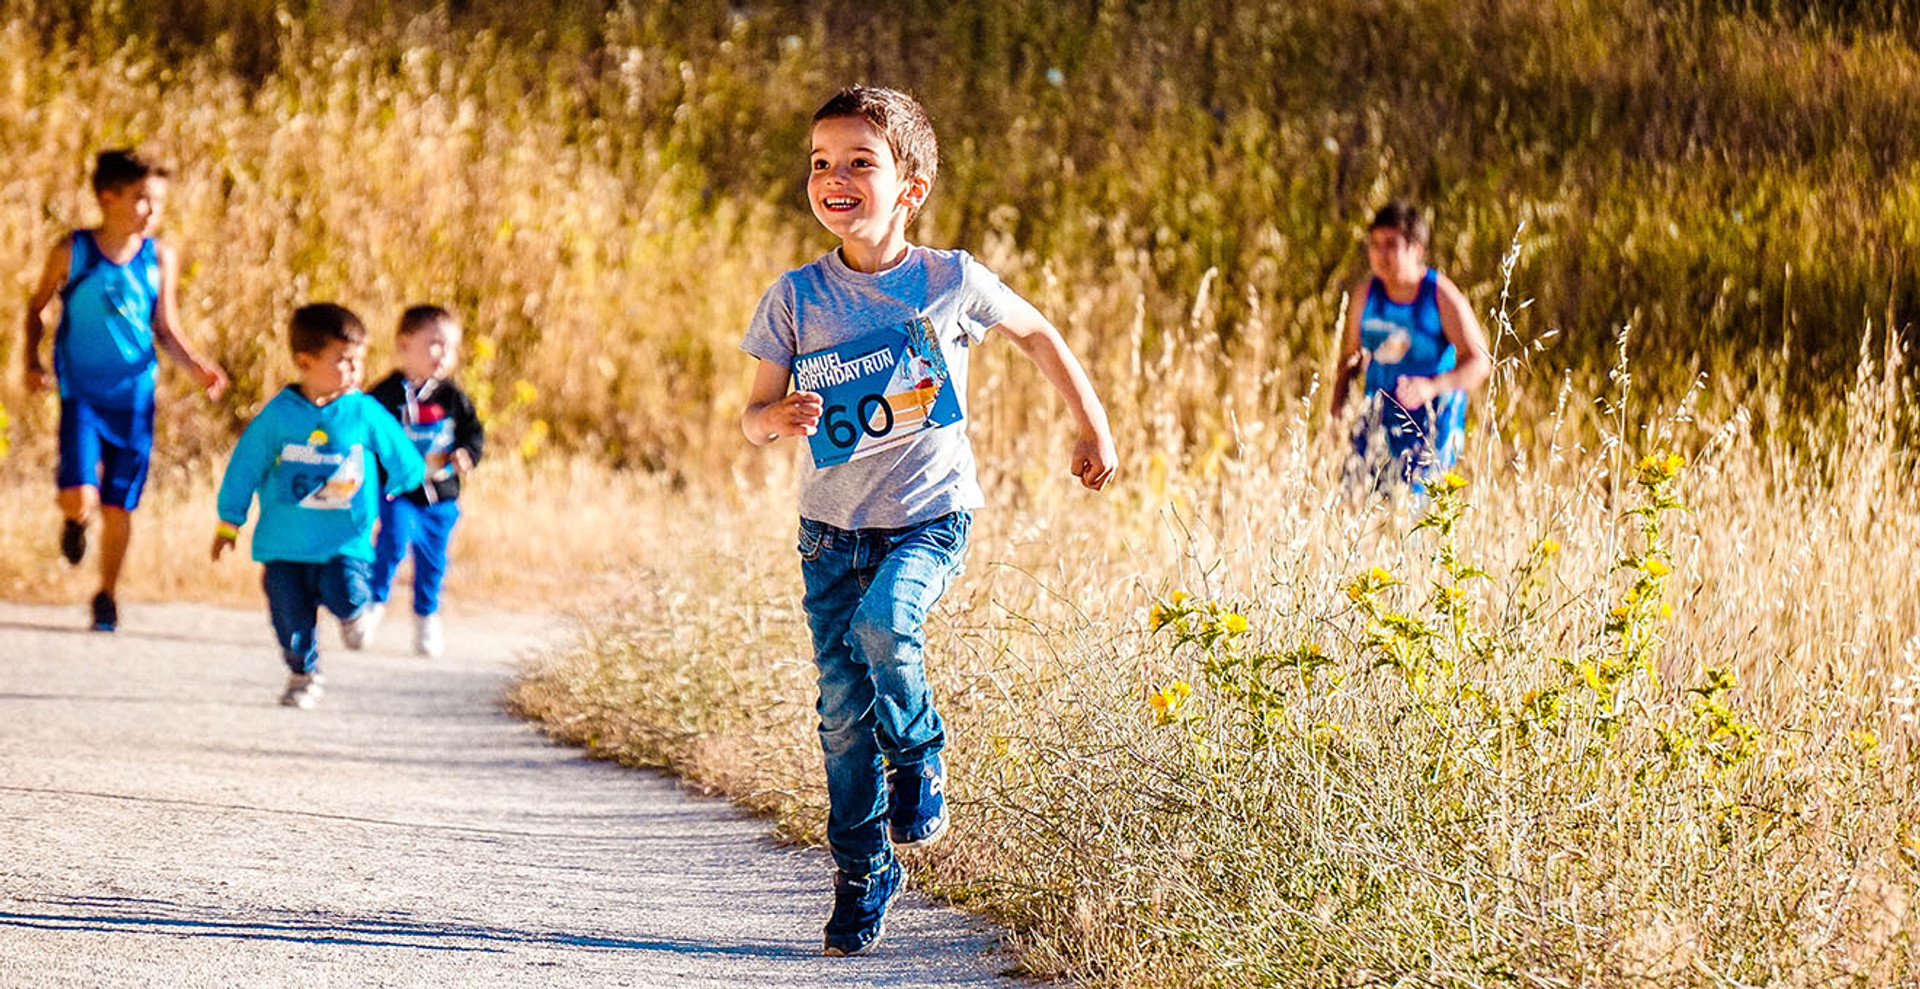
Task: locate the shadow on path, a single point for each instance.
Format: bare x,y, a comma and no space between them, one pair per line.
118,915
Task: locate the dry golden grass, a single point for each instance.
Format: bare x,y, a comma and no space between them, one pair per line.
1495,821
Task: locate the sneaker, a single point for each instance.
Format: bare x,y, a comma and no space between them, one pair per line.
917,803
370,618
106,614
353,631
860,908
303,689
73,541
428,638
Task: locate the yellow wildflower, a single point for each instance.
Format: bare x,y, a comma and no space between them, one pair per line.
1234,623
1178,597
1657,567
1452,482
1620,611
1169,701
1380,576
1547,548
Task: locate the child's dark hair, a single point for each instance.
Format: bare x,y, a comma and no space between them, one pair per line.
898,116
315,326
1405,217
115,170
418,318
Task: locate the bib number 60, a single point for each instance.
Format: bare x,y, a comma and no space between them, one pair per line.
872,415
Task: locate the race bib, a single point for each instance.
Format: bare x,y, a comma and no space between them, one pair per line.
320,477
879,391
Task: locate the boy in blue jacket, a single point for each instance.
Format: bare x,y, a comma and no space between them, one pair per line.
314,455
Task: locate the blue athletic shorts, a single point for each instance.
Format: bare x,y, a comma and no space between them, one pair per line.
108,449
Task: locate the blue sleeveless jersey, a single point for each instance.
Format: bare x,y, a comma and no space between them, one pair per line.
103,353
1405,340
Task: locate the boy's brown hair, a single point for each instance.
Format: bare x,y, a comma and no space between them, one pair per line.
314,327
421,317
116,169
900,117
1405,217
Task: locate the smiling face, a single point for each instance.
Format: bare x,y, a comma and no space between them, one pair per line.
855,186
1393,257
331,371
133,209
430,351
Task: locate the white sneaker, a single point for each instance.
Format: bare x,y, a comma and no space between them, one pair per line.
303,689
353,631
370,618
428,639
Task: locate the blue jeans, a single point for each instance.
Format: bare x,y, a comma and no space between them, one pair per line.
868,594
424,529
295,593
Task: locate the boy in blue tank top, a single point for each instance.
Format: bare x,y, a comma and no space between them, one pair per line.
315,456
1412,338
116,285
863,353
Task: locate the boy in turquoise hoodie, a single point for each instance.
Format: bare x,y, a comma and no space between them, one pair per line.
315,455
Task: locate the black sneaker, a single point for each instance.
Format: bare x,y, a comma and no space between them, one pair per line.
73,541
860,908
916,803
106,616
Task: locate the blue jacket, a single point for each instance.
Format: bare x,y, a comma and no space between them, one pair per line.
316,469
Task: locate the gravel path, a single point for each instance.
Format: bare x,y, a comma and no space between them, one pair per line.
164,823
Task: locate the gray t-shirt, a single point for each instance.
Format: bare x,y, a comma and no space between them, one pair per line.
826,304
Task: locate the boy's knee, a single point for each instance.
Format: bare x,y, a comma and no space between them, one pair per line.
886,636
843,732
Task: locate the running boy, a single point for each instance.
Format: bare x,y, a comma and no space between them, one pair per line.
887,500
446,429
310,455
1412,339
116,284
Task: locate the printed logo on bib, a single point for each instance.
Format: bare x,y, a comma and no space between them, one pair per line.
1388,342
322,478
879,391
434,441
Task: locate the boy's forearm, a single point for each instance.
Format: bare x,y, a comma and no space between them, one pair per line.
756,431
36,332
177,349
1062,370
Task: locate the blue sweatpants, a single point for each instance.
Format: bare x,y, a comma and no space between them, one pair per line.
295,594
423,529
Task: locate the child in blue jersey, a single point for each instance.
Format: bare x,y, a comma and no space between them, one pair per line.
446,429
314,456
116,284
888,497
1412,337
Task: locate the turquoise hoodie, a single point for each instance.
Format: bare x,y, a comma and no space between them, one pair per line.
316,469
